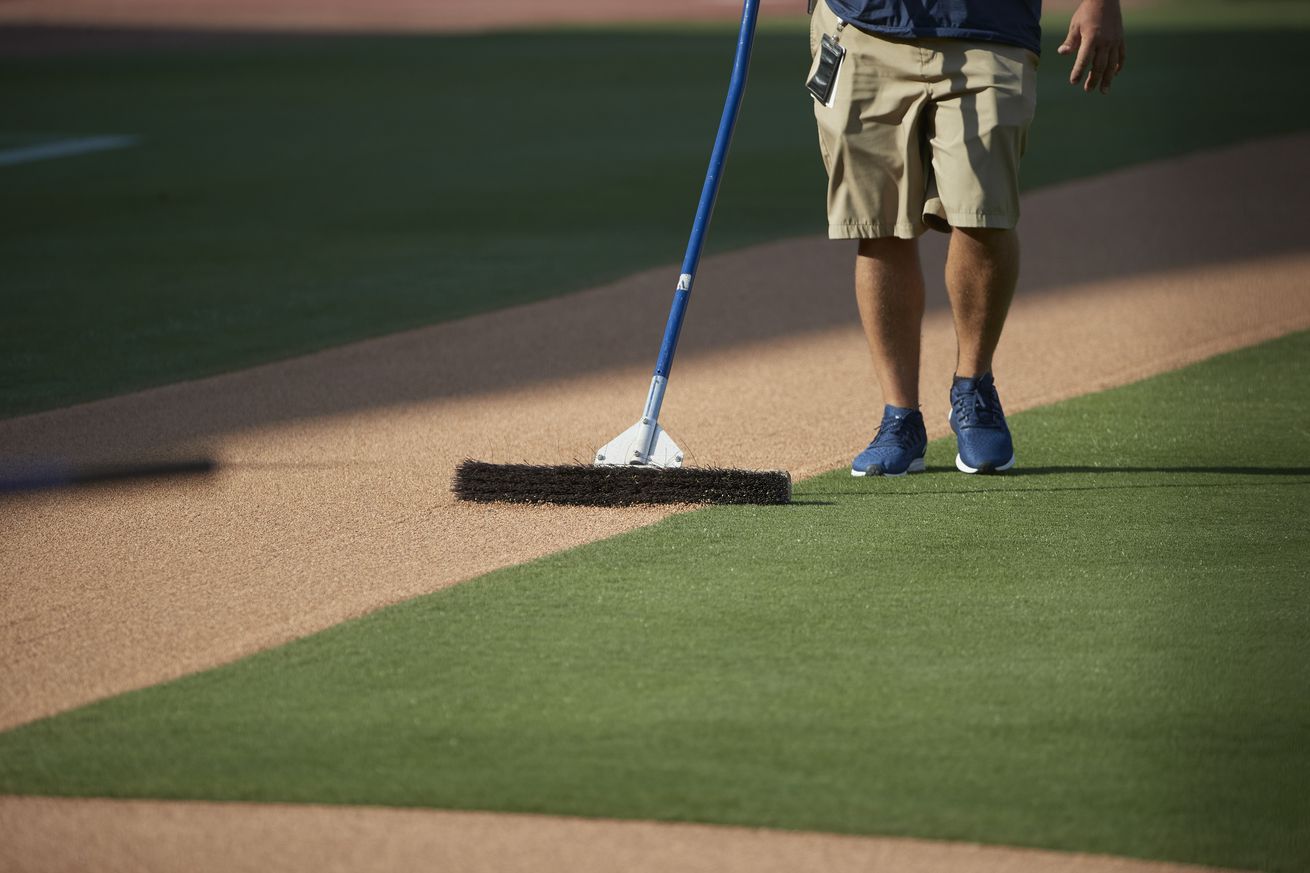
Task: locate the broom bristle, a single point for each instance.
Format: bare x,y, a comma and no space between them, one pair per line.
582,485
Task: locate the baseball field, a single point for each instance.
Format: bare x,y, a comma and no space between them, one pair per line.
331,255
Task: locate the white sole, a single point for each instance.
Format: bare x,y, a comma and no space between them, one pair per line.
965,468
916,466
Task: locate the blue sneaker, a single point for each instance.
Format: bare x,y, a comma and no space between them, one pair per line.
897,448
981,433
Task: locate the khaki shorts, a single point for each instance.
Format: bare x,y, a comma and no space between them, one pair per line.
922,133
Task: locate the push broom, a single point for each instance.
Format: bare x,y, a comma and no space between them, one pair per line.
643,464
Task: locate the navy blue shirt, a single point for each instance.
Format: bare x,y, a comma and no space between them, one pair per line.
1016,22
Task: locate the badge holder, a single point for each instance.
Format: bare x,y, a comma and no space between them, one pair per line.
823,84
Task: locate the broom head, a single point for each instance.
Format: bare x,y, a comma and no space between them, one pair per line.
583,485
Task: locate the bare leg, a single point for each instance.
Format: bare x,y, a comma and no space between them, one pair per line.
982,269
889,291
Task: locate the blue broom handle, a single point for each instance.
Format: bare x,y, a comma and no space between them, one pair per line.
709,193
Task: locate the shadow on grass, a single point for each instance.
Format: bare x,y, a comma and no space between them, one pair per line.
997,482
1234,471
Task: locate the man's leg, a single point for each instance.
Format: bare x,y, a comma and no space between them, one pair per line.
889,291
982,269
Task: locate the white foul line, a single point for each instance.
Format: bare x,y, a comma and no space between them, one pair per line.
64,148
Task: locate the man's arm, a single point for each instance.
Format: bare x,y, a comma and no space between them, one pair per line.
1097,34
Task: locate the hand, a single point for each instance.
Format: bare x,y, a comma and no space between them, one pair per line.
1097,34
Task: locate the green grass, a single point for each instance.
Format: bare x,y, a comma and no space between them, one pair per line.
291,194
1108,651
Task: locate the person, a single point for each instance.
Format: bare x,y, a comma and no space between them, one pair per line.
922,118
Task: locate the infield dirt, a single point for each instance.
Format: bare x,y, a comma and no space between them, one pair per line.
385,16
75,835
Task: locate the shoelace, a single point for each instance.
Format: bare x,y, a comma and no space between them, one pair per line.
896,431
978,408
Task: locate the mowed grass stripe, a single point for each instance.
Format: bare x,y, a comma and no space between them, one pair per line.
293,194
1105,652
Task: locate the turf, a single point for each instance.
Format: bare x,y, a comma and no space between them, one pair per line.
1108,651
292,194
